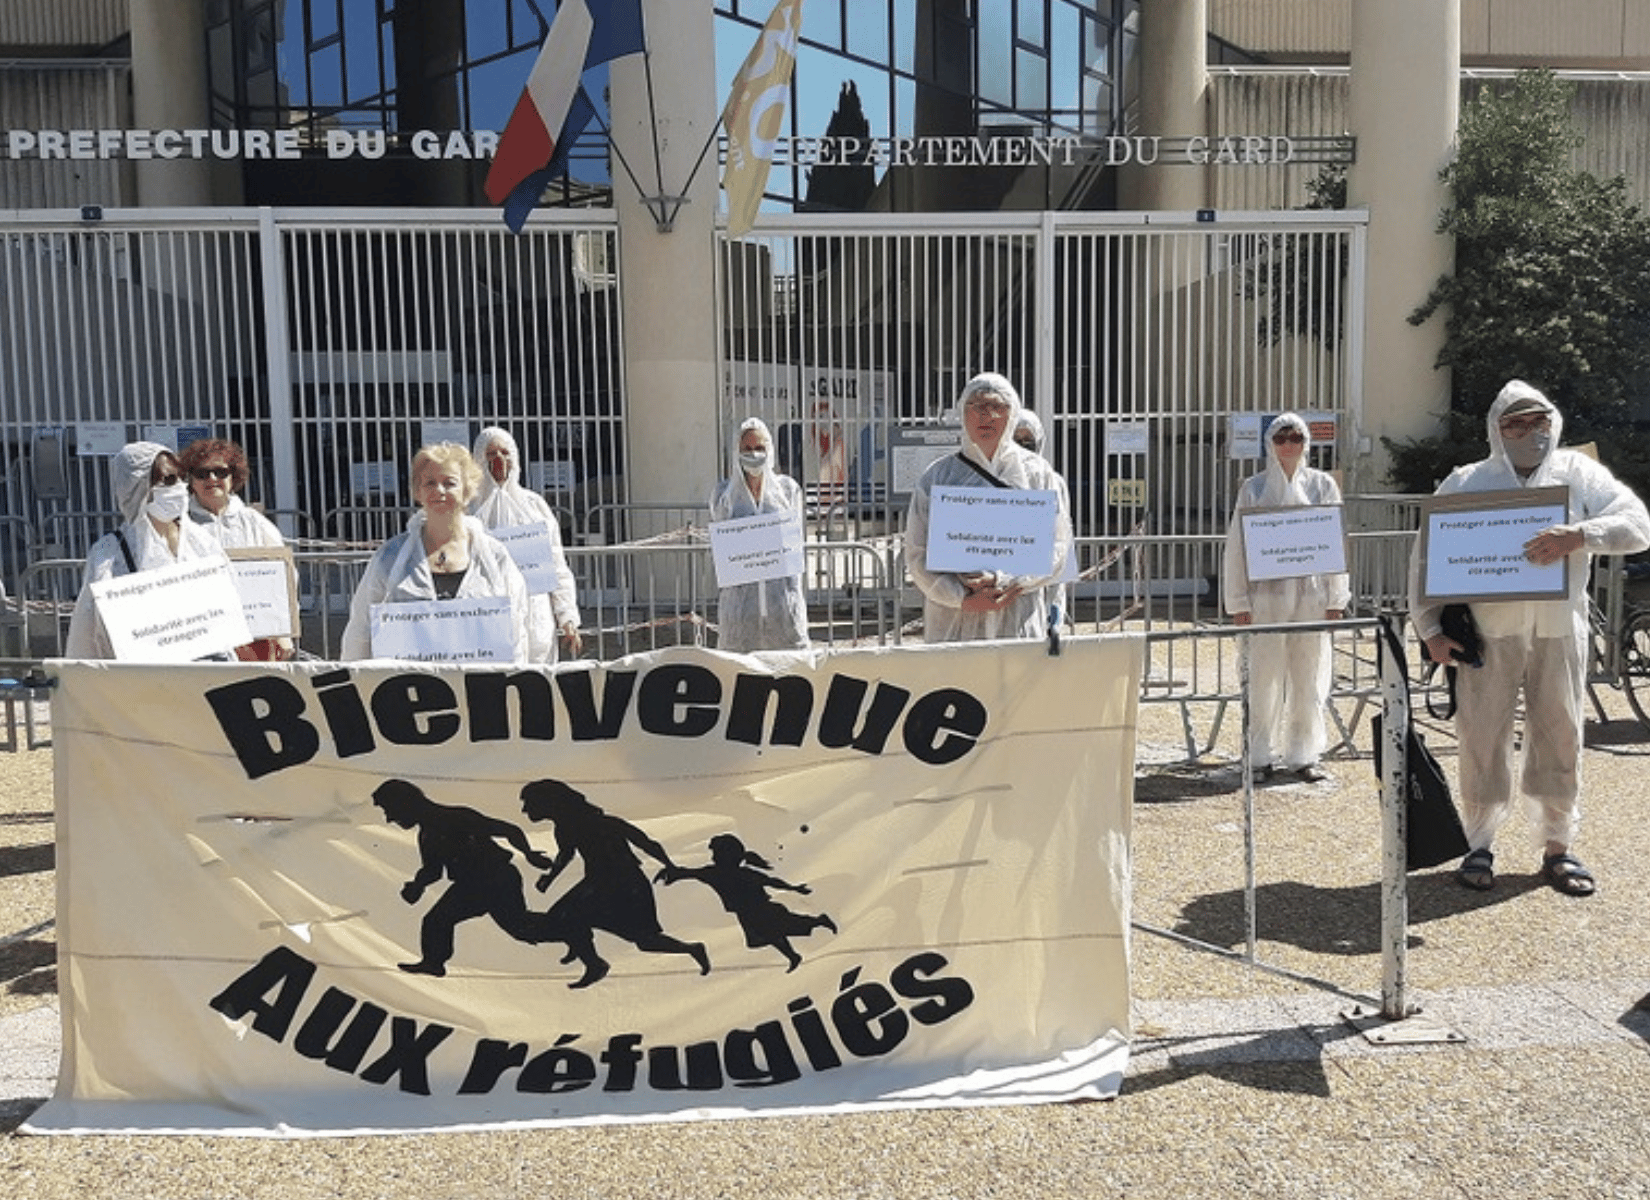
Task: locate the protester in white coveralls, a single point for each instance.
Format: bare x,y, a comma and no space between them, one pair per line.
501,502
770,614
1289,673
216,470
149,488
1537,646
980,605
445,554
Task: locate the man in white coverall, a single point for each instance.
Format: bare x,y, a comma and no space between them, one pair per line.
1537,645
1289,674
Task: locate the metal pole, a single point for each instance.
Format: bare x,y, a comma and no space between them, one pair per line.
1394,822
1246,643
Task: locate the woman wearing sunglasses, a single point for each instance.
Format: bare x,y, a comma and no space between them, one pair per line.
1289,673
148,486
216,471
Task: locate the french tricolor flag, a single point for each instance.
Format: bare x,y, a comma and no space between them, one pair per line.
553,109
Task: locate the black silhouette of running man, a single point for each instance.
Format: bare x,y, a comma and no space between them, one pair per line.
744,893
463,845
614,894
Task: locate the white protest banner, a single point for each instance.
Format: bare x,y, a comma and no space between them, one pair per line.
172,614
478,629
1289,543
992,529
867,879
1472,545
267,585
751,549
531,548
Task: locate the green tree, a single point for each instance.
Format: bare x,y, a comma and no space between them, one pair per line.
1551,285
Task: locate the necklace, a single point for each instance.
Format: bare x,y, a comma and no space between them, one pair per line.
441,559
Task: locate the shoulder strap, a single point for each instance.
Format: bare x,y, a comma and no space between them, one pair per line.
126,552
982,472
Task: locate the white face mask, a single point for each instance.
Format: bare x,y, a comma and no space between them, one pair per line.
753,461
168,503
1527,452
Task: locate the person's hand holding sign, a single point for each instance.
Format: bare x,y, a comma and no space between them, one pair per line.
1554,545
984,593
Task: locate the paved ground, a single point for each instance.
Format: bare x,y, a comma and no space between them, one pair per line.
1240,1081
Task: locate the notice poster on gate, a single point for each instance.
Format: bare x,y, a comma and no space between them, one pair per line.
1011,530
1294,542
173,614
681,885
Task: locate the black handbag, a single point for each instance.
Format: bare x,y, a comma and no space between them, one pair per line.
1460,627
1433,831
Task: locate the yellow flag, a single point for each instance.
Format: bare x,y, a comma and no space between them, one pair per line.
755,114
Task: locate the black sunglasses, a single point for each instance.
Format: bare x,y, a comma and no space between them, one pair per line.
1279,439
211,472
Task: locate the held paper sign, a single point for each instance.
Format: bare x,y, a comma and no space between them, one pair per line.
173,614
751,549
992,529
1288,543
529,546
265,582
456,631
1472,545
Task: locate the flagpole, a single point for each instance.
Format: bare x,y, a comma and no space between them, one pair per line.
655,204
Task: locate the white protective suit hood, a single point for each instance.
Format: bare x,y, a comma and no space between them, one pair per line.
1029,420
497,504
129,474
1280,488
761,429
1515,391
1004,464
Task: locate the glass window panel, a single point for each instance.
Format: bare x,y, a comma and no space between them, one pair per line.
484,30
260,42
386,56
903,123
819,77
361,52
323,19
905,37
1029,23
220,63
1065,68
821,23
868,29
1096,46
525,28
326,78
1030,81
1097,95
996,53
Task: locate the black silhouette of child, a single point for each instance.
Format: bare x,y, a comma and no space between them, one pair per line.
614,894
744,893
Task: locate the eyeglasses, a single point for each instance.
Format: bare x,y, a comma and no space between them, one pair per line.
160,477
1295,439
211,472
990,408
1517,427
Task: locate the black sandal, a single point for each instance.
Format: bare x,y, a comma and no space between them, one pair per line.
1565,873
1477,871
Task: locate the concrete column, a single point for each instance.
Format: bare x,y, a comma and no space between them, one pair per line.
169,92
1173,84
1406,88
671,385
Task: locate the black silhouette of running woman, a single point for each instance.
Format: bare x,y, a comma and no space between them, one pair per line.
744,893
614,893
463,845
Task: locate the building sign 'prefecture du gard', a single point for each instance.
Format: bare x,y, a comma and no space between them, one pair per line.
1237,150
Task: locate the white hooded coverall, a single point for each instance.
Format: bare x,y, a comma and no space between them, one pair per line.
1537,645
129,475
1290,673
507,505
771,614
943,592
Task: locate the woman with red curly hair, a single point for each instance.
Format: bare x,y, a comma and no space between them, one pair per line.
216,470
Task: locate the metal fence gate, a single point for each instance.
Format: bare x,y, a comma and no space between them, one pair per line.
332,343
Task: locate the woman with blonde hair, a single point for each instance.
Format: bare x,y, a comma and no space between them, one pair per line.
445,554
